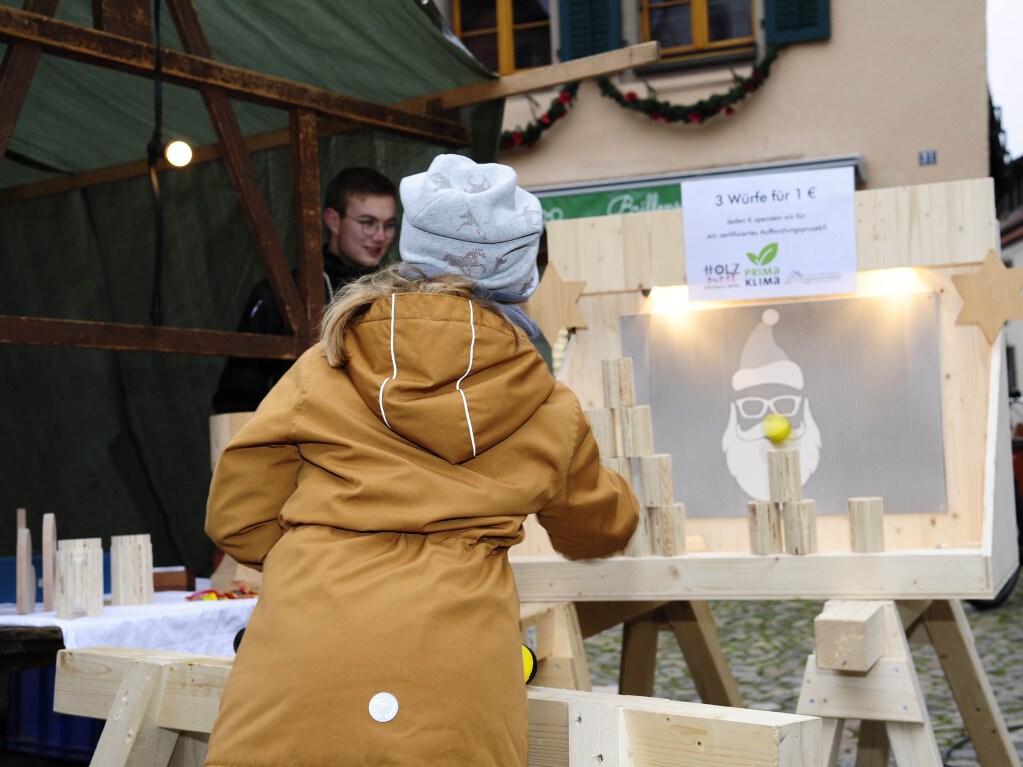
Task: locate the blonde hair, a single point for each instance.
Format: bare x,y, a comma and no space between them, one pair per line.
353,300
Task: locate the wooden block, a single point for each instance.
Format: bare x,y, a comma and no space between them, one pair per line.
131,570
637,426
784,476
173,579
230,574
25,577
799,520
764,528
669,530
641,543
866,524
49,559
79,578
620,464
618,383
223,427
655,480
848,635
695,543
603,426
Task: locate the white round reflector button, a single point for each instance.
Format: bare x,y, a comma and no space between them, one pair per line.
383,707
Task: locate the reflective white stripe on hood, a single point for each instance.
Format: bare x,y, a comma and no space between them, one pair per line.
394,364
458,383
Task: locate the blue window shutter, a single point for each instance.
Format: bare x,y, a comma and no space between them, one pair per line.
797,21
588,27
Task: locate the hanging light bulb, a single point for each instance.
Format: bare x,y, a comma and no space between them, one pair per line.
178,153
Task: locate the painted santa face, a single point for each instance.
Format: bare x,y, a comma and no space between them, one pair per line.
745,447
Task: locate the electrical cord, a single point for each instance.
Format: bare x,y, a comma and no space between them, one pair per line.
153,152
966,739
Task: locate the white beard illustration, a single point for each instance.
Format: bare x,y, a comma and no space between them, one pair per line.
746,452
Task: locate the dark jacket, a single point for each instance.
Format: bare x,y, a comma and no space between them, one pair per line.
246,380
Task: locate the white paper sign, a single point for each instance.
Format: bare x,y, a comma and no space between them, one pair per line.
771,235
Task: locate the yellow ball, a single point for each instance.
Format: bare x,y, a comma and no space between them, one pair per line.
776,427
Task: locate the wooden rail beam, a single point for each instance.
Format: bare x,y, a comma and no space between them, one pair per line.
111,51
16,72
543,77
125,18
34,331
305,183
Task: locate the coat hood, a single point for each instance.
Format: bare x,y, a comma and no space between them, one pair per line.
445,373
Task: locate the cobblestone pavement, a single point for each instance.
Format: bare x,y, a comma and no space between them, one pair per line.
767,643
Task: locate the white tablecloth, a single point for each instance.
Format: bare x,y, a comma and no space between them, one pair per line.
170,623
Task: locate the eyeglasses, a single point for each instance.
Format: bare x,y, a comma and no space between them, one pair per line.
756,407
370,226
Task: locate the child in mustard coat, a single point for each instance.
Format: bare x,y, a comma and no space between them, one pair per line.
379,487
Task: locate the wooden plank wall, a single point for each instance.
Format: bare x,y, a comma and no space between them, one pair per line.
939,227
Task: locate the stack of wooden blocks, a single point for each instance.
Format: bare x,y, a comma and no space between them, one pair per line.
624,432
73,571
788,511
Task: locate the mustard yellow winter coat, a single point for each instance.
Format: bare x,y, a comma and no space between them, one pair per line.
380,501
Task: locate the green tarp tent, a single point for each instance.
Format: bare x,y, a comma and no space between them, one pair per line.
116,443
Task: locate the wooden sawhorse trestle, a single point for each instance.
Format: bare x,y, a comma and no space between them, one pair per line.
862,669
159,708
695,631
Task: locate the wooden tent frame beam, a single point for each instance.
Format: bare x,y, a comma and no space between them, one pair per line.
511,85
113,52
243,173
36,331
16,72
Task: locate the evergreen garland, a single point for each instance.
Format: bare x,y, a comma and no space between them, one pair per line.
700,111
531,133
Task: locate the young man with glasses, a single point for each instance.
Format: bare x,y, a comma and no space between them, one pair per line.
359,213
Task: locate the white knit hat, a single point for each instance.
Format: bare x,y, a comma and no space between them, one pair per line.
464,218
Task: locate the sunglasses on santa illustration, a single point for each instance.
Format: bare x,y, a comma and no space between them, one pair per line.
757,407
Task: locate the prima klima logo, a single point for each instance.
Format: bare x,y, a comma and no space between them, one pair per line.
761,273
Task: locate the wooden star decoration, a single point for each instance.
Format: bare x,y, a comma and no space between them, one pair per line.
990,296
554,304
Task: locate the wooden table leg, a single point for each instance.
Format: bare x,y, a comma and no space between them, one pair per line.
872,748
131,735
697,636
831,740
639,656
952,637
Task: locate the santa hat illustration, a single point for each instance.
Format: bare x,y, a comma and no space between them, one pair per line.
763,362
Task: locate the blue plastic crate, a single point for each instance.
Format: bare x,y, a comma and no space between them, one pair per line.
34,728
9,570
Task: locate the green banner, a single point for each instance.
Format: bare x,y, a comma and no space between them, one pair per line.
640,200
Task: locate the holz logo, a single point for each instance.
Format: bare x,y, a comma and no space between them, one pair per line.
764,275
